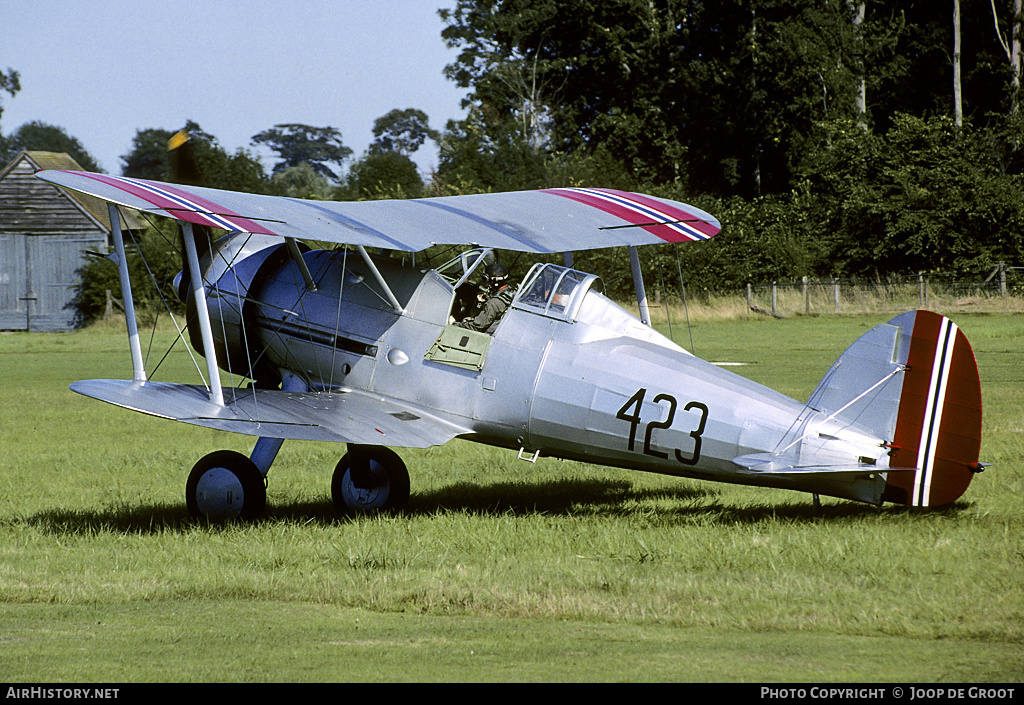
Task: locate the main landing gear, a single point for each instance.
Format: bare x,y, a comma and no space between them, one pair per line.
227,485
370,479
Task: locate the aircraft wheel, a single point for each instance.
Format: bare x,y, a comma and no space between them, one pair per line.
226,485
386,488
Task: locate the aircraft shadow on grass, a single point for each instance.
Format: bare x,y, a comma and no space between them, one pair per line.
682,507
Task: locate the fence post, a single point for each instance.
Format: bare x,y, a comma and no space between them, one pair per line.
750,297
1002,278
775,298
807,297
835,293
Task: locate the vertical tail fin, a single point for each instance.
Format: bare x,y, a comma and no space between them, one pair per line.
897,418
938,422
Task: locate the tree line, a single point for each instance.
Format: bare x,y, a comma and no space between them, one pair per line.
312,162
832,138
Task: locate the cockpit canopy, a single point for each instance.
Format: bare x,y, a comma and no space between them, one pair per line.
457,270
554,291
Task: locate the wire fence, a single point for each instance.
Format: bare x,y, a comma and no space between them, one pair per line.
999,290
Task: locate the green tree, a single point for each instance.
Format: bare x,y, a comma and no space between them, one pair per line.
384,174
925,196
722,94
561,76
1010,41
478,154
296,143
239,171
915,75
10,82
42,137
209,163
152,265
300,181
402,131
148,157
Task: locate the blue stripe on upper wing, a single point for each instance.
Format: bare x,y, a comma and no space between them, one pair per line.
350,222
502,228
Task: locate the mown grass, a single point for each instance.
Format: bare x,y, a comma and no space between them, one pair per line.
500,569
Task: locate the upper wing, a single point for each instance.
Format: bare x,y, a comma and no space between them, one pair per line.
550,220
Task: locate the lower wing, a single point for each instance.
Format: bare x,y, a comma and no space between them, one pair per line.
350,417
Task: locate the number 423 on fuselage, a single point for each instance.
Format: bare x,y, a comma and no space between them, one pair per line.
367,349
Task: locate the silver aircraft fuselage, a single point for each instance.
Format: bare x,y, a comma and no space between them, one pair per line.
567,373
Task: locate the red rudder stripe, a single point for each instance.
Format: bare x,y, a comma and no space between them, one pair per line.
938,427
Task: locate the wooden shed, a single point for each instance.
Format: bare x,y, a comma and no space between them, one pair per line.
44,233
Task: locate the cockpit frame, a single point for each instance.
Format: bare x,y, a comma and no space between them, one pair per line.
554,291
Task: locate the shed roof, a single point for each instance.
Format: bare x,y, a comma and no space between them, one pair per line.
93,207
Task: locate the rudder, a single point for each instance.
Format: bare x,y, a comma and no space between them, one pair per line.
938,424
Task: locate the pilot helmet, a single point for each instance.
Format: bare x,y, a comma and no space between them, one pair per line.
496,275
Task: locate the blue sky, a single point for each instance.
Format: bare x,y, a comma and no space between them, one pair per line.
104,69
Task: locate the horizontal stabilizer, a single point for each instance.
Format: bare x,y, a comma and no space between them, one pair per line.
863,481
769,464
349,417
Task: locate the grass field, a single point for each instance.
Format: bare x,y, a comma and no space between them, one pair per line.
500,570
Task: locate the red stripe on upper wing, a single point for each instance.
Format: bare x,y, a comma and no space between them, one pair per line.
128,186
241,221
668,233
137,187
703,226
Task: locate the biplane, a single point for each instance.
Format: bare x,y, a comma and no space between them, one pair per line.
357,345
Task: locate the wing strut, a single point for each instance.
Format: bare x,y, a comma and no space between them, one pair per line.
638,283
293,249
216,391
138,367
380,279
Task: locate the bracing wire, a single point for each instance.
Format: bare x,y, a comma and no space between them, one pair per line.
686,308
664,293
163,300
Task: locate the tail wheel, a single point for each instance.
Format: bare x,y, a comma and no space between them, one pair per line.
226,485
381,484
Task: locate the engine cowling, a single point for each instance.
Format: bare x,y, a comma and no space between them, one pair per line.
234,272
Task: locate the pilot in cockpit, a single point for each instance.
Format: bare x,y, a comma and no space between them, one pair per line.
499,292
